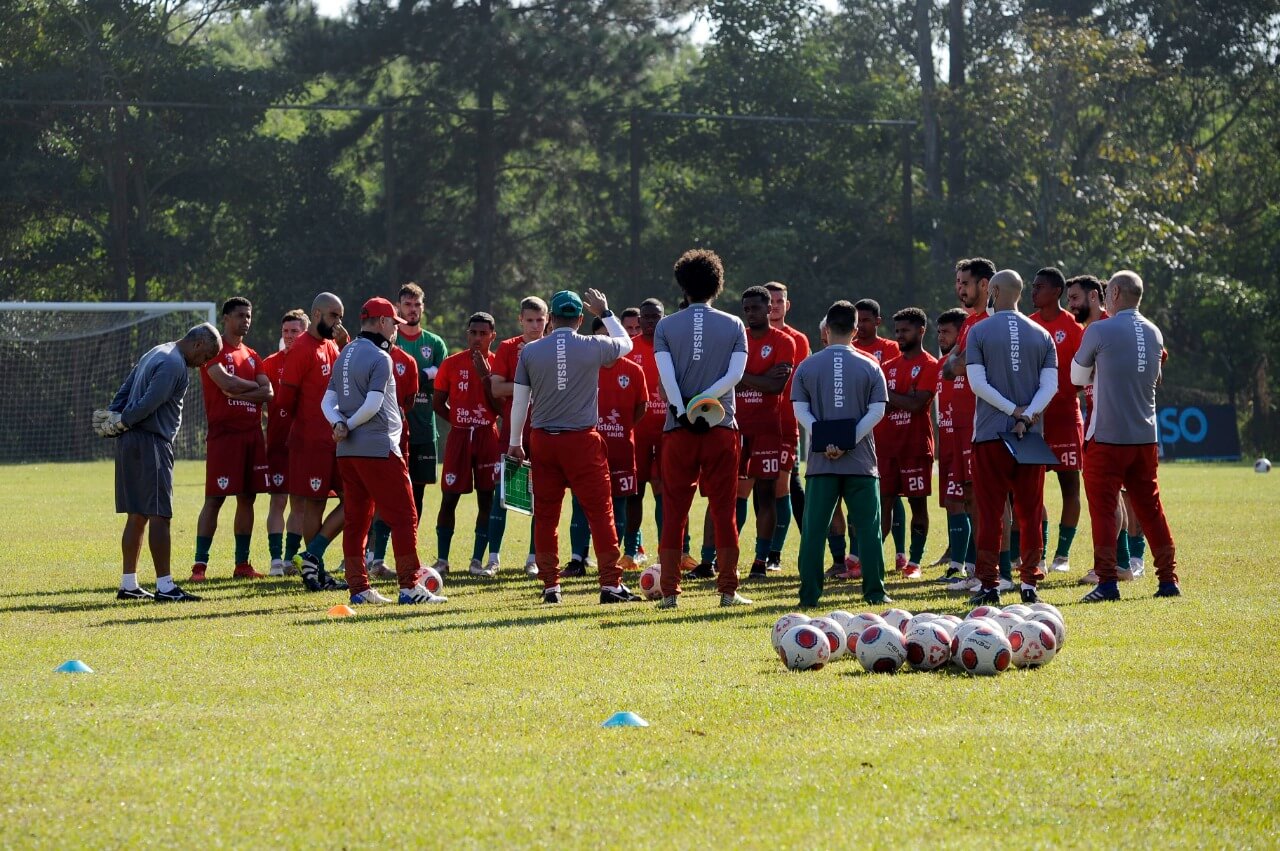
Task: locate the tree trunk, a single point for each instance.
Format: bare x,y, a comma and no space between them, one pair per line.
932,140
116,171
483,267
956,171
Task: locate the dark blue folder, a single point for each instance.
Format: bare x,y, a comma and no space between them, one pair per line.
1029,449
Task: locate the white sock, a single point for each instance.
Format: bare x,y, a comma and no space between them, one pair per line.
555,588
129,582
164,584
493,558
1026,587
970,568
617,589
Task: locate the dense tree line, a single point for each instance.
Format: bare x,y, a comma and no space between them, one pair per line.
522,147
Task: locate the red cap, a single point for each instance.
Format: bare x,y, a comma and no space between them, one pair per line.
377,308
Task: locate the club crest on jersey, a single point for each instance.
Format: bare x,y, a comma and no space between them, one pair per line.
915,371
315,484
624,381
223,481
399,369
1059,336
765,351
277,479
253,363
879,355
450,478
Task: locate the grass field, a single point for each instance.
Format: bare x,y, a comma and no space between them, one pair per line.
251,719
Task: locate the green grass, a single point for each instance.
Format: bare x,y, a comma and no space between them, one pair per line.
251,719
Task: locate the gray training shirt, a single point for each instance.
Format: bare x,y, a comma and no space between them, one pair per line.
151,396
1013,349
840,384
1125,352
362,368
700,340
562,372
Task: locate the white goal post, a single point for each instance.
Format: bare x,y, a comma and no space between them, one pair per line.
61,360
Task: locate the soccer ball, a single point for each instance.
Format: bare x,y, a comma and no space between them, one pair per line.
966,627
651,582
804,648
923,617
1033,644
897,618
982,612
1046,607
1007,620
950,622
880,649
985,652
785,623
835,633
430,578
1262,465
1020,610
841,617
928,646
1054,623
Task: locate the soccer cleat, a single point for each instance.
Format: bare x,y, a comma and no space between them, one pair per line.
886,600
197,571
985,597
1090,578
311,569
912,571
551,596
1104,593
1030,596
244,570
851,572
175,595
419,594
378,570
963,586
369,596
1136,567
687,563
441,566
277,568
757,570
900,561
1124,574
1060,565
734,599
641,559
531,567
835,571
134,594
477,569
328,583
706,570
669,603
627,564
1004,585
575,567
954,571
773,565
622,595
1168,589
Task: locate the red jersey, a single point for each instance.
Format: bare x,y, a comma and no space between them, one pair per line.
757,412
406,369
227,415
902,432
641,354
504,363
881,348
963,403
278,421
944,395
468,406
1065,332
307,367
787,414
622,388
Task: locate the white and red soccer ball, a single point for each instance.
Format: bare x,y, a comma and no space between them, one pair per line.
984,652
897,618
783,624
881,649
928,646
836,636
804,648
430,578
1033,644
651,582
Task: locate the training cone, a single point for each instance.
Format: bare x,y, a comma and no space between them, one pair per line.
341,611
625,719
74,666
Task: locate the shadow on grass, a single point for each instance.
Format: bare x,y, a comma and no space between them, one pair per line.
183,612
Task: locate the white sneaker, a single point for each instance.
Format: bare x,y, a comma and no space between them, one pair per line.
1041,566
1089,578
478,569
495,562
1136,567
531,566
1005,585
960,586
370,596
1124,574
1060,565
640,560
441,566
378,570
277,568
419,594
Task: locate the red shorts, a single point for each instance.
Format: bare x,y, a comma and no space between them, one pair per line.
648,442
906,476
235,463
313,470
278,470
622,466
1065,437
760,456
471,459
961,470
790,451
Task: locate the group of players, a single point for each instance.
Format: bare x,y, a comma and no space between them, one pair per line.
633,397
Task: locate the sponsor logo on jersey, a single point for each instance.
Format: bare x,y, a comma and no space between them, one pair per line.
223,481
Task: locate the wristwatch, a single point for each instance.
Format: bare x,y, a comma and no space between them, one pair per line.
607,313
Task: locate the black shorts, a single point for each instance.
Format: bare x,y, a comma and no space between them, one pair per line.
144,474
422,463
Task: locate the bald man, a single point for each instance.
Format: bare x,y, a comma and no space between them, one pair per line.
1012,367
313,462
1121,357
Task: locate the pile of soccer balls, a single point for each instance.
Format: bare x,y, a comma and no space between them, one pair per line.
984,643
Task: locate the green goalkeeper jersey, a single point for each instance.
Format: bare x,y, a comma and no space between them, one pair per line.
428,350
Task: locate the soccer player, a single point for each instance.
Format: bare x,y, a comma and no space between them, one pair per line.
1121,357
235,389
700,351
1012,368
429,351
405,368
145,415
648,438
789,493
904,438
951,487
868,341
361,407
533,327
1063,425
313,462
560,374
631,321
471,452
284,539
771,354
838,383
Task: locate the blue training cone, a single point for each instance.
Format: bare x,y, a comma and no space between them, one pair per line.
625,719
74,666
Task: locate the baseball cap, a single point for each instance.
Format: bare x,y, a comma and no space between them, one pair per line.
566,303
379,308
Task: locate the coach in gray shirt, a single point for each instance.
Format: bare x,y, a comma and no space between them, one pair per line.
841,385
1013,369
145,414
1122,356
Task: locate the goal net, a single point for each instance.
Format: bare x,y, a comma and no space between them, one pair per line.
61,360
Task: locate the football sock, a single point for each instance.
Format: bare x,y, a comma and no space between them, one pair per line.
497,526
762,548
481,542
971,553
783,524
1015,544
1137,546
797,499
1044,537
444,540
898,526
917,546
165,584
774,555
244,544
631,544
740,513
1122,549
835,543
292,543
381,535
1066,534
958,535
204,543
532,539
708,553
579,531
275,545
317,545
657,512
1006,565
620,517
129,582
853,544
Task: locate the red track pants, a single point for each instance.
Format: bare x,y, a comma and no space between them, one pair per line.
577,460
1108,467
995,476
687,460
382,485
